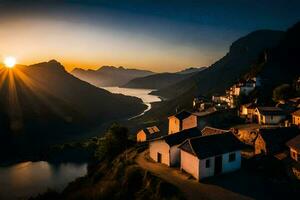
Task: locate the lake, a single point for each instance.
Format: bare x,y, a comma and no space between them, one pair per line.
143,94
31,178
27,179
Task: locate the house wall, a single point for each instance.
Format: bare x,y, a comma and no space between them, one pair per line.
227,166
260,145
175,156
270,119
244,110
231,166
174,125
206,172
190,122
294,154
190,164
160,146
296,120
141,136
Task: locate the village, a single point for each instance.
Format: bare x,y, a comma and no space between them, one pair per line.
193,145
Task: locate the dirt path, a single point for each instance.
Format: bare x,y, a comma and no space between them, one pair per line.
192,189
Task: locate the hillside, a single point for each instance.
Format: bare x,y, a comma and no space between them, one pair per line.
156,81
223,73
105,180
109,76
279,65
42,104
243,54
162,80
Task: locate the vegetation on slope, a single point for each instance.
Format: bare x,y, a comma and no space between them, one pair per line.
115,175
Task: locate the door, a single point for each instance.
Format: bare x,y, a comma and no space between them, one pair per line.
159,157
218,165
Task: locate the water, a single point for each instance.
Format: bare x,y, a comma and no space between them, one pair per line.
139,93
31,178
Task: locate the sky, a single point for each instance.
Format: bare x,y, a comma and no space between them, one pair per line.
165,35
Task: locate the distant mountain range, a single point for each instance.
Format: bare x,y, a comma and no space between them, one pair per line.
222,74
43,104
108,76
162,80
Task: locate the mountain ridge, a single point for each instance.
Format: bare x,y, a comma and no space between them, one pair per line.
109,76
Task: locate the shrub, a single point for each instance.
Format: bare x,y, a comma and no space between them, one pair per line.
282,92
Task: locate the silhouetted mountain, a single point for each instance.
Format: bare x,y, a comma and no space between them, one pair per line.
191,70
218,77
156,81
162,80
222,74
43,104
279,65
109,76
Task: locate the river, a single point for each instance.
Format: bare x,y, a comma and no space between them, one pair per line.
27,179
143,94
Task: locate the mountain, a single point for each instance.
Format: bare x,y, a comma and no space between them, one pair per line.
162,80
156,81
42,104
108,76
279,65
223,73
191,70
243,53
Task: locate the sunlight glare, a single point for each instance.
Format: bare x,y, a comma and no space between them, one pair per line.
10,62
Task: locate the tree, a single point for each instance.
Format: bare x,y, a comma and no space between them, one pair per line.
282,92
114,142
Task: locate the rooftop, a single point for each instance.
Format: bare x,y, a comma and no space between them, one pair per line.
212,131
296,113
212,145
182,115
276,138
179,137
270,111
294,143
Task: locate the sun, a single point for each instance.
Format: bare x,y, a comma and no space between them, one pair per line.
10,61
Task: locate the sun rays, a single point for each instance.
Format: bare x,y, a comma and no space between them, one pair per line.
16,87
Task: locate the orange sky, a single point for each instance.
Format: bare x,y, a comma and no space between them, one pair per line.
86,46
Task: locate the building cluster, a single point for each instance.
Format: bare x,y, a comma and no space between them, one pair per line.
204,151
235,91
201,153
212,151
286,113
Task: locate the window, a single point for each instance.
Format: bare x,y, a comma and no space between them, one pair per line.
207,163
231,157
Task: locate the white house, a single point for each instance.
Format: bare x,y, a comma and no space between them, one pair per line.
181,121
165,149
211,155
269,115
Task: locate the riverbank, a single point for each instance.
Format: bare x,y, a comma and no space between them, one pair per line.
143,94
